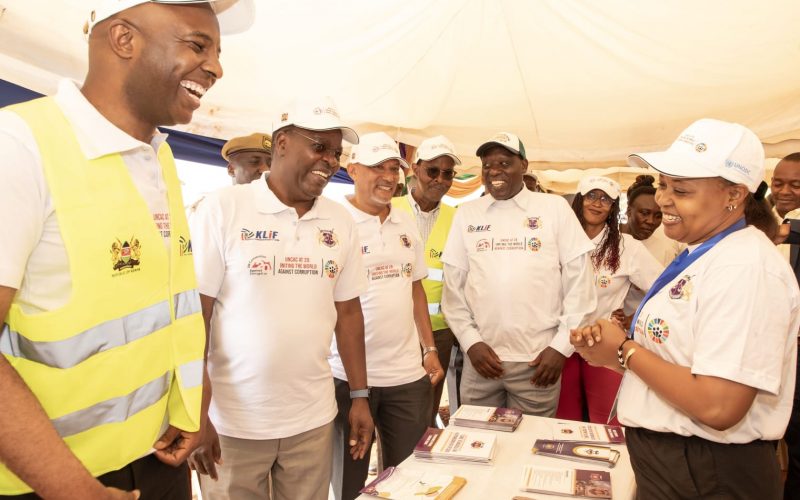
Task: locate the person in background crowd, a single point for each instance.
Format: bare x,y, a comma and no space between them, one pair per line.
248,157
102,338
532,181
709,375
503,248
279,270
644,221
618,261
396,320
434,170
785,188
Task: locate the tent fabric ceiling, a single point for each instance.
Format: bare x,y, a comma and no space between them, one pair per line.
582,83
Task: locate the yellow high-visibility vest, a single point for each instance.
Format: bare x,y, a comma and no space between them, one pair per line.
433,258
124,357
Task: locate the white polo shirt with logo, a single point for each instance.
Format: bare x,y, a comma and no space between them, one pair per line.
636,266
393,258
513,252
275,279
732,314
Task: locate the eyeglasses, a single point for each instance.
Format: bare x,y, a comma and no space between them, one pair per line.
434,172
592,196
320,148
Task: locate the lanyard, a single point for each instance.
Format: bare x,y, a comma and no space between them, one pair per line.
680,263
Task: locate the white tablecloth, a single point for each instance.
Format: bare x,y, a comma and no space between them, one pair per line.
501,481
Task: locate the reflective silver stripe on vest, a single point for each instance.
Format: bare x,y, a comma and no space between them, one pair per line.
191,373
187,303
113,410
433,308
435,274
78,348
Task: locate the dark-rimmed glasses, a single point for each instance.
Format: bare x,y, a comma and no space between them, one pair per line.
435,172
322,149
604,199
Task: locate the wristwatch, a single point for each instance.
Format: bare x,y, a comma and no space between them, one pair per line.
429,349
360,393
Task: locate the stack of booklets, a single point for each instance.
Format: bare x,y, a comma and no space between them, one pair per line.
401,484
451,445
582,432
487,417
577,483
580,452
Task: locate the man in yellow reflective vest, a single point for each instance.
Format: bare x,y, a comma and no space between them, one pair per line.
101,378
434,168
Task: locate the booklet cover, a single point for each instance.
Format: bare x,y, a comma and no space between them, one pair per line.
456,445
400,484
488,417
581,452
583,432
569,482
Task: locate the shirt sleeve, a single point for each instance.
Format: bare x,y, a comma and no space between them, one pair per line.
206,226
455,253
645,269
23,203
455,308
572,239
734,339
352,280
580,301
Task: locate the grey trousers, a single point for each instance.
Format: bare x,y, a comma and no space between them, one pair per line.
513,390
300,467
401,414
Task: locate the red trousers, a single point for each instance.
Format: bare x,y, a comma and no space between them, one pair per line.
595,385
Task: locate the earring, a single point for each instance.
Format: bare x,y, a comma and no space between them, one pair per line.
731,208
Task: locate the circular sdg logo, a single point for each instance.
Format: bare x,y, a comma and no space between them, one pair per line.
658,330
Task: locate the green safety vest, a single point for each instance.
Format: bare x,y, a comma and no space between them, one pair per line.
433,258
124,357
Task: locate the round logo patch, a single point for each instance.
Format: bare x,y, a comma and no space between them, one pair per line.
406,269
682,289
658,330
533,222
534,244
331,269
603,281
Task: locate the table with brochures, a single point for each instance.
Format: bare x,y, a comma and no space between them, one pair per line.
501,481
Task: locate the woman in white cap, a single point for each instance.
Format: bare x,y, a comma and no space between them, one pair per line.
709,371
618,261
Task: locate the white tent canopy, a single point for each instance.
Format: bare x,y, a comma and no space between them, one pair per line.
583,83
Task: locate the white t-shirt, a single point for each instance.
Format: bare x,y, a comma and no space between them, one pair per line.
636,266
515,253
275,279
393,258
663,248
732,314
32,256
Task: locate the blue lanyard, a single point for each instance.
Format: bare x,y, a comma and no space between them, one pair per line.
680,263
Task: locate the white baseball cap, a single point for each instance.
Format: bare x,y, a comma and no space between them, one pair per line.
505,139
313,113
604,184
710,148
434,147
376,148
234,16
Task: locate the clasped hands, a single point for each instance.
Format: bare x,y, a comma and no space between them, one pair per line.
597,343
